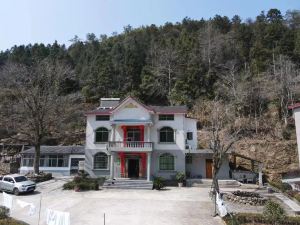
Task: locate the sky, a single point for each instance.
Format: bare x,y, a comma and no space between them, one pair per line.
44,21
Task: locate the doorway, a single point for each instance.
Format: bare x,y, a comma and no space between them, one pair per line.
209,168
133,168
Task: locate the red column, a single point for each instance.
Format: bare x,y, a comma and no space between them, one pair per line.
124,128
143,156
122,161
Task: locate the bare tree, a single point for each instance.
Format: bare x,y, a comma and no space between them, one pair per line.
35,95
222,138
284,75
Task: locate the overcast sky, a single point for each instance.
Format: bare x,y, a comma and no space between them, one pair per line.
44,21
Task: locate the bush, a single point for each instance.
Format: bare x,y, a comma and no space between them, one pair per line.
4,212
84,183
158,183
251,218
10,221
281,186
273,212
297,197
180,177
41,177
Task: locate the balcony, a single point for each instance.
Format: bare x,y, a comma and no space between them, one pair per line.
130,146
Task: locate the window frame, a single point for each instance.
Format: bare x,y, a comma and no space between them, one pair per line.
187,135
94,160
160,163
29,159
98,130
166,117
103,117
166,142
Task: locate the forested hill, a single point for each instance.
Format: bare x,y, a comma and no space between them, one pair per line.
251,68
174,63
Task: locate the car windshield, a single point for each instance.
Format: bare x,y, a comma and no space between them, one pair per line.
20,179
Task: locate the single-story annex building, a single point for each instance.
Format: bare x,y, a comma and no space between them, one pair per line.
58,160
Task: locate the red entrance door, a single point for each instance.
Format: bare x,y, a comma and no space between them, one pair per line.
209,163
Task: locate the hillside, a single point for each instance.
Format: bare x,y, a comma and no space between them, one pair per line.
251,66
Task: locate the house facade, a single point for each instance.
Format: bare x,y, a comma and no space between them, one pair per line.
128,139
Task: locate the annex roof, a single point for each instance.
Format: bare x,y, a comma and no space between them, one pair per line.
66,150
296,105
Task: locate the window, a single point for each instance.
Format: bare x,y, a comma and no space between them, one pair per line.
58,161
43,161
189,135
166,162
188,159
102,117
101,135
100,161
166,117
28,160
166,135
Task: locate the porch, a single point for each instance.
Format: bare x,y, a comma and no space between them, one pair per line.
133,165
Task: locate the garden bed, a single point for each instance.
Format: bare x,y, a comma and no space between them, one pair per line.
81,183
257,219
41,177
246,198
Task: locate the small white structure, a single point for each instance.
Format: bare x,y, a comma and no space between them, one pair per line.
296,114
58,160
128,139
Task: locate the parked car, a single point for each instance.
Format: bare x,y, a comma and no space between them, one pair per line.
16,184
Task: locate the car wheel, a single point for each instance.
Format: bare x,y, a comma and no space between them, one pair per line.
16,191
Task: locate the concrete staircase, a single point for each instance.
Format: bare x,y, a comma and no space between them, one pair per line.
126,183
208,182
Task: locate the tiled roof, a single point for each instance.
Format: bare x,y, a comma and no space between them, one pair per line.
99,112
68,150
297,105
169,109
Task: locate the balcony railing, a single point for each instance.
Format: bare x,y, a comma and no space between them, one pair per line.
130,145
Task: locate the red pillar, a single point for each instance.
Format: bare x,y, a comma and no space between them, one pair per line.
143,156
122,161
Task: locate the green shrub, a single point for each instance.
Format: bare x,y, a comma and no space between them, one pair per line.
251,218
41,177
273,212
10,221
4,212
180,177
297,197
69,185
84,183
158,183
281,186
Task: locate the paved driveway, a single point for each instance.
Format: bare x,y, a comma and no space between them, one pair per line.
175,206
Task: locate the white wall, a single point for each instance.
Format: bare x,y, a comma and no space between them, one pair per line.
297,123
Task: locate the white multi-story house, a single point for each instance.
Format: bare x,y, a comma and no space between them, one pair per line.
128,139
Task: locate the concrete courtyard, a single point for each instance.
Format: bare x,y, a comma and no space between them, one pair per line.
174,206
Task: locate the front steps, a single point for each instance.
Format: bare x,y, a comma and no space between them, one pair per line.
126,183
